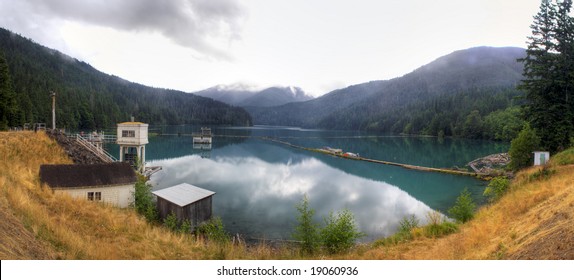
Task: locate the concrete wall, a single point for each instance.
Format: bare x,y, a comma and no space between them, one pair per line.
120,196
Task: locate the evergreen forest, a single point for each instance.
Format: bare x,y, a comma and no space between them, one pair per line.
87,99
549,76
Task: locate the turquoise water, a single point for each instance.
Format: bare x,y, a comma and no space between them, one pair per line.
258,182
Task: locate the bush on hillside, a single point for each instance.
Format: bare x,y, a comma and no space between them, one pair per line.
170,222
307,232
340,232
463,209
521,148
143,200
214,230
438,225
496,188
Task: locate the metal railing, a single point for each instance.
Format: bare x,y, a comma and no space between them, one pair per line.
100,153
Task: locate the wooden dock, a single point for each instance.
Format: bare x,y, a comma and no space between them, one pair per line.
407,166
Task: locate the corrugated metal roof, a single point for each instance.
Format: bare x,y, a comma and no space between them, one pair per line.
183,194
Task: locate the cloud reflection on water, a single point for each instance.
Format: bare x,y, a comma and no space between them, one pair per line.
257,199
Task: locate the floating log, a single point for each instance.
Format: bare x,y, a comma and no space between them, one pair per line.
482,176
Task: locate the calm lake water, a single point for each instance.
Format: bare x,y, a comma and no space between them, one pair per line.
258,182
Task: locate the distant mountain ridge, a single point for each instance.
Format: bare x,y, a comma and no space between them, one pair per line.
482,73
245,96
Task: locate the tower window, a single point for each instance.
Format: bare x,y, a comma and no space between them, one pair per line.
128,133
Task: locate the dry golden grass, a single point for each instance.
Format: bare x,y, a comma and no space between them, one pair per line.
533,221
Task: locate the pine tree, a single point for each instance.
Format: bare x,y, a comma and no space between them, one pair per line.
548,72
565,70
307,231
463,209
8,107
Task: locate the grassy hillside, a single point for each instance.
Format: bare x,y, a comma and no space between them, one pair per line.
533,221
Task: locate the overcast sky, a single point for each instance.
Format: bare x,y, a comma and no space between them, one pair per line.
318,45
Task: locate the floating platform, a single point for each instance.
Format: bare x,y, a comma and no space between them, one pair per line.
204,138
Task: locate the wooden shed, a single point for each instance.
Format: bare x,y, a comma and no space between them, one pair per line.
188,202
112,183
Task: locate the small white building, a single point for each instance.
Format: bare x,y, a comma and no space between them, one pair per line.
110,183
541,158
132,138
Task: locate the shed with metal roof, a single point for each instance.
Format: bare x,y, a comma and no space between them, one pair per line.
186,201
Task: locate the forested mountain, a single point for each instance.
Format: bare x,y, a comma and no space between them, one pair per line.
240,95
453,95
310,113
89,99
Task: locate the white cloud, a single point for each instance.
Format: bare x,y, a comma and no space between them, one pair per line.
204,26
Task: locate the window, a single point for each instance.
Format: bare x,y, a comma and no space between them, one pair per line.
128,133
97,196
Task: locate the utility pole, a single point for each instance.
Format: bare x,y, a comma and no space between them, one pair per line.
53,95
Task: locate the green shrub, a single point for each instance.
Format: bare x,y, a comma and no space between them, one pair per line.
542,174
171,222
496,188
438,226
340,232
521,148
442,229
463,209
143,200
407,224
307,232
213,230
185,227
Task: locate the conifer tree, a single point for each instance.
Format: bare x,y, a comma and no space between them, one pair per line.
548,72
565,67
8,107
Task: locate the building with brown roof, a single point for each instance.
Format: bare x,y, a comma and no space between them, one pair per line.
111,183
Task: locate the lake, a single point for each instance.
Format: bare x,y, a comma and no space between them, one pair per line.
258,182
